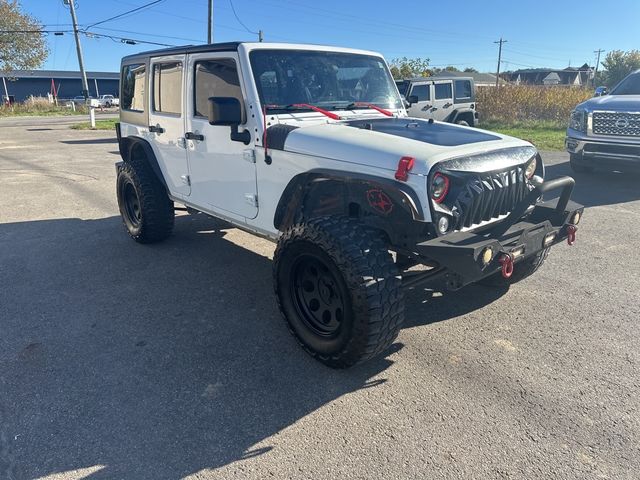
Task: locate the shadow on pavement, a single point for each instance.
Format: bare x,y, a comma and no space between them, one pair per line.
598,188
90,141
154,361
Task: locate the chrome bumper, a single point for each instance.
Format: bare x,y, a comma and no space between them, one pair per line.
588,149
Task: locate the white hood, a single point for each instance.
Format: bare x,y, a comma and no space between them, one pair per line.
381,142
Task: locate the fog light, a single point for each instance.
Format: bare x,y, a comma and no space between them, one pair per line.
576,218
517,252
549,238
487,255
443,224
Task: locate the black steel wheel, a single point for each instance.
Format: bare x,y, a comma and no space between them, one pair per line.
318,295
338,289
146,210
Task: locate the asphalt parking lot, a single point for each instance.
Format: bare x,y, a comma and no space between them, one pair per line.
123,361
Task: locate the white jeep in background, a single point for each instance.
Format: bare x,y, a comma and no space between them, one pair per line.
108,101
311,147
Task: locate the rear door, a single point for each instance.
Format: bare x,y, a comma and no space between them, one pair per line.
166,121
421,109
442,104
223,171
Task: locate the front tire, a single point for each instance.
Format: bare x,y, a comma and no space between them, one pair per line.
338,289
576,166
146,210
521,270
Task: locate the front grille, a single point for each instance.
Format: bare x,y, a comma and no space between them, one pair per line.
616,123
485,196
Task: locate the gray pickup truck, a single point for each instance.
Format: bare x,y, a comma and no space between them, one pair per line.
604,131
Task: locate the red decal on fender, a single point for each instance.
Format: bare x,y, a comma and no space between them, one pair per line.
379,201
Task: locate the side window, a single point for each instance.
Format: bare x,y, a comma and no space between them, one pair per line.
423,92
133,87
167,88
442,91
463,90
215,78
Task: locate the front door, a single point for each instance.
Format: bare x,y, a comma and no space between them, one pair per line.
166,121
421,109
442,99
223,172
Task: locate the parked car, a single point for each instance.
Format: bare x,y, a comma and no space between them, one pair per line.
604,131
108,101
311,147
80,100
450,100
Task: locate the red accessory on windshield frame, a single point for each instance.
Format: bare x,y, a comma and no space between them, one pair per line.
374,107
326,113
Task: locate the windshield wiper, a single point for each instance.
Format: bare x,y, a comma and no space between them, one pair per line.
351,106
304,106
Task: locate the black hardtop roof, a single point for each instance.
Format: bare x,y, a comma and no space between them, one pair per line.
210,47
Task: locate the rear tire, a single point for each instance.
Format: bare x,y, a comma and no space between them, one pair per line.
146,210
578,167
521,270
338,289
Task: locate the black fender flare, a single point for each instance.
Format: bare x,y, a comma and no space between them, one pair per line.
130,146
359,188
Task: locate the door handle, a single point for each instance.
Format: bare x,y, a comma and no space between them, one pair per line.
194,136
447,105
434,109
156,129
426,107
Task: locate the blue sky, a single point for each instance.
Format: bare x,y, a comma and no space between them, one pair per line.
540,33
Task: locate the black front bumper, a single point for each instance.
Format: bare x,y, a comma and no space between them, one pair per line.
518,235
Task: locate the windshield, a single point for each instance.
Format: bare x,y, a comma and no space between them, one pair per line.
628,86
331,80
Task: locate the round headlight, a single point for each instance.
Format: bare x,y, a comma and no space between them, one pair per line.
531,167
439,187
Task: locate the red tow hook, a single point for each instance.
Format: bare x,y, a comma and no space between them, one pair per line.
571,234
506,260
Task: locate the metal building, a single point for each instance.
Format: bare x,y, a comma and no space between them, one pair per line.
21,84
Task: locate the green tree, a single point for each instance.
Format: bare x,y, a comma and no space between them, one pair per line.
19,47
409,67
470,70
618,64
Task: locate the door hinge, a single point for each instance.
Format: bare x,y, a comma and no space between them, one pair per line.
186,179
251,199
249,155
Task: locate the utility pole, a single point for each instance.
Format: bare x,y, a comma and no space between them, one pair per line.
500,42
85,84
210,22
597,52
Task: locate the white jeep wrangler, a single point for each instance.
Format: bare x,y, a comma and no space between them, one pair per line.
311,147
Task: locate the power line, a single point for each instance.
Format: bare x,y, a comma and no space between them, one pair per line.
238,19
142,7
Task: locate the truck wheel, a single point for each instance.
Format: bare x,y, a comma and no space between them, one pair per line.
338,289
521,271
146,210
578,167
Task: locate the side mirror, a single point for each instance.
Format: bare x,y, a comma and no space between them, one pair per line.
413,99
225,111
405,102
228,111
600,91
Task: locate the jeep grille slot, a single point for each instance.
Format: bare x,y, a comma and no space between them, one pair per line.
486,196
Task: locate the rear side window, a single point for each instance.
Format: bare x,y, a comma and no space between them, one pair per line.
167,88
442,91
215,78
133,85
463,90
423,92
